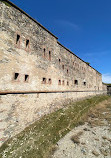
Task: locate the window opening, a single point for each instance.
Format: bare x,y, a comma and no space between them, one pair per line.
18,39
44,52
27,43
44,80
67,83
76,82
59,83
16,76
49,55
49,81
26,77
63,67
63,82
84,83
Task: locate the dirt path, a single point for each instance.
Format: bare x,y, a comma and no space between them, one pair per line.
93,139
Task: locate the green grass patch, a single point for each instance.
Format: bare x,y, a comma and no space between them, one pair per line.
39,139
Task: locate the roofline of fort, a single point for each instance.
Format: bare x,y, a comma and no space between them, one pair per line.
12,4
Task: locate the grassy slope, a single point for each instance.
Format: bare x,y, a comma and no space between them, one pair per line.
38,140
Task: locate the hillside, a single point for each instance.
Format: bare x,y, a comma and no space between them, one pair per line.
39,139
93,139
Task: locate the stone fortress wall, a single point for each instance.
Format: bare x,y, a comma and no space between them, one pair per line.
37,74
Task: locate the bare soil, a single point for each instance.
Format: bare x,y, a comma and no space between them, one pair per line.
93,139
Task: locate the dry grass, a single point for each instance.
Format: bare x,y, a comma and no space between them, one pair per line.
97,116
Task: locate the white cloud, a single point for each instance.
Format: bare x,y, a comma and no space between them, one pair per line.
106,78
95,54
67,24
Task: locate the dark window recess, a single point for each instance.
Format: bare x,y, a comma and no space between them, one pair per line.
63,67
27,43
26,77
44,80
59,61
18,39
67,83
16,76
59,83
63,82
67,71
76,82
84,83
44,52
49,55
49,81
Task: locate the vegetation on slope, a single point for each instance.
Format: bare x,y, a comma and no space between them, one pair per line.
39,139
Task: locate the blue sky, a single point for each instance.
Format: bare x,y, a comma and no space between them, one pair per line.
83,26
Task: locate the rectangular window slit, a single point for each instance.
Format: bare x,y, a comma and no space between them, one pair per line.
44,80
18,39
76,82
67,83
26,77
27,43
16,76
49,55
49,81
44,52
63,67
84,83
59,83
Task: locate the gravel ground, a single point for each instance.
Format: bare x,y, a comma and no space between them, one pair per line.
93,139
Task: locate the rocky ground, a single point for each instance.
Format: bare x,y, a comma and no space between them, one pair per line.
93,139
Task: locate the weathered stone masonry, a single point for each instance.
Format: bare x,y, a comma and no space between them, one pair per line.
37,73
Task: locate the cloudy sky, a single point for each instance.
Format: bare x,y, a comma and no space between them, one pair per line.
83,26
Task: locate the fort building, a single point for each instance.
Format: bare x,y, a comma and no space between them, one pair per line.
37,73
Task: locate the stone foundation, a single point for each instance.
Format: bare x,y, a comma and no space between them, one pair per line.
17,111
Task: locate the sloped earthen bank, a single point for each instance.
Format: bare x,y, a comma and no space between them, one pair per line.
39,139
